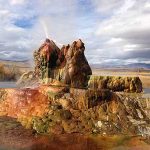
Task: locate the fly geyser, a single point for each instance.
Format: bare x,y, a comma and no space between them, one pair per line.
69,99
67,65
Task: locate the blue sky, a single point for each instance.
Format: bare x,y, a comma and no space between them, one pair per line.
114,32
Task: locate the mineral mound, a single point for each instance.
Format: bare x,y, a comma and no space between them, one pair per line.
63,65
126,84
69,66
69,99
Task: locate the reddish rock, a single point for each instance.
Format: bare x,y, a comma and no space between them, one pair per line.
57,129
24,102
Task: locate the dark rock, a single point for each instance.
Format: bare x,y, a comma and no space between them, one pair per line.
66,114
55,107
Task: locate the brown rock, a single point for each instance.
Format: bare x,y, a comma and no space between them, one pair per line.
53,92
87,98
127,84
63,65
75,75
66,115
65,103
57,129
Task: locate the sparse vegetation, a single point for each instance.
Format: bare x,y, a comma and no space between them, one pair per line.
9,73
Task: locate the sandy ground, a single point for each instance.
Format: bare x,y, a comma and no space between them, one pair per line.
22,66
144,75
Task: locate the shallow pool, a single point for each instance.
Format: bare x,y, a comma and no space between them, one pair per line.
8,84
146,93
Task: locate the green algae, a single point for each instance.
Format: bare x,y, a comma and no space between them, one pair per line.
44,123
41,125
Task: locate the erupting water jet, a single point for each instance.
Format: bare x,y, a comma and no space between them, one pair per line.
44,27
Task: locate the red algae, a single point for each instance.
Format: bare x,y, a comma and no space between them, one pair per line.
24,102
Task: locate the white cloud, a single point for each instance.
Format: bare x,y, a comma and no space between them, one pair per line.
126,6
107,7
130,47
128,29
17,2
114,41
61,24
147,5
110,29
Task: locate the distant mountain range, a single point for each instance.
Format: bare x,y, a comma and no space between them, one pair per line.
26,60
28,63
17,63
128,66
139,65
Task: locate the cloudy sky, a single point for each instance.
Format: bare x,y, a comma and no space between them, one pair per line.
114,31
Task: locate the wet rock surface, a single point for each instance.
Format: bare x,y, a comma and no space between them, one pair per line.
28,79
57,110
88,98
138,109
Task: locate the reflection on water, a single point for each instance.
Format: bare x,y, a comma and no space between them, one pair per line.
8,85
14,136
146,93
115,73
147,90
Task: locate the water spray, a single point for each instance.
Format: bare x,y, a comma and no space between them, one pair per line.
44,27
46,31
